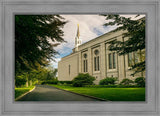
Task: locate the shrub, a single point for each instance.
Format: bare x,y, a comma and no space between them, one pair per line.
65,82
82,80
108,81
126,82
140,81
20,81
111,86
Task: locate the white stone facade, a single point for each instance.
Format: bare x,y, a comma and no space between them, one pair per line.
93,57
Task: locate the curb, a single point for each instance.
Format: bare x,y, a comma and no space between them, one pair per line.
80,94
24,94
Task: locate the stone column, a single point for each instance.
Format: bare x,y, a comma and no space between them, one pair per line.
121,64
90,66
102,61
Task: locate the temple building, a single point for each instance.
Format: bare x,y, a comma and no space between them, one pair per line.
95,58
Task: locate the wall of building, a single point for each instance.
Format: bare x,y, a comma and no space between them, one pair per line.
68,67
76,60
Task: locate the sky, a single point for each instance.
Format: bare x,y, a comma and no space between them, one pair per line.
90,27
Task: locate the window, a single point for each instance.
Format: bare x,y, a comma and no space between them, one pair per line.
96,52
86,66
69,69
85,63
112,60
132,58
96,61
135,57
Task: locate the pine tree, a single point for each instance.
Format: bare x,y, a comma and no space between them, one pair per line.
35,39
134,38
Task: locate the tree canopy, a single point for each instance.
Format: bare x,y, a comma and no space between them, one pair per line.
35,37
134,38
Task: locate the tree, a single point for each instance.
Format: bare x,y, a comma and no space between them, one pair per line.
134,38
35,37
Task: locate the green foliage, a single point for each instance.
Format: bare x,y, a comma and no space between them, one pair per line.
55,81
126,82
111,94
38,76
82,80
20,80
65,82
108,81
140,81
112,86
43,73
21,91
134,37
35,37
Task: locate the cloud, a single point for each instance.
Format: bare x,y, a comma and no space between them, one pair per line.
55,63
90,27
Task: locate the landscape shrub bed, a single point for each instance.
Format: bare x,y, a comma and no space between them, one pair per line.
126,82
82,80
108,81
65,82
140,81
112,86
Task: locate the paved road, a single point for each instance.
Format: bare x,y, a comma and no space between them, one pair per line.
49,93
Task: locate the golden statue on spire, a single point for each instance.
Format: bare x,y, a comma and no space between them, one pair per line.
78,34
77,40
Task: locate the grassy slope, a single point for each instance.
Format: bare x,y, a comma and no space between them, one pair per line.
20,91
112,94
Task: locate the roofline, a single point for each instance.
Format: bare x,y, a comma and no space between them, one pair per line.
99,37
106,33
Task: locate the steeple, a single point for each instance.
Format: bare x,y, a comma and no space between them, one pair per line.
77,40
78,34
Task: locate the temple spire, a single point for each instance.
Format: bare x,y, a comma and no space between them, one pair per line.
77,40
78,34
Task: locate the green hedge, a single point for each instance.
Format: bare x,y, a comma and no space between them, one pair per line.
65,82
112,86
108,81
126,82
140,81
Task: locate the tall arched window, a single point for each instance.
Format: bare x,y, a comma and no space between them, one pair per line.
112,60
96,60
85,63
69,69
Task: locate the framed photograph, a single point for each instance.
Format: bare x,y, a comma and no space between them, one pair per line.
79,57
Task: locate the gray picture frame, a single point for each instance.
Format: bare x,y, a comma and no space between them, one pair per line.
8,9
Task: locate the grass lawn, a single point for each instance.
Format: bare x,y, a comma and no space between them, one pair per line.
111,94
20,91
